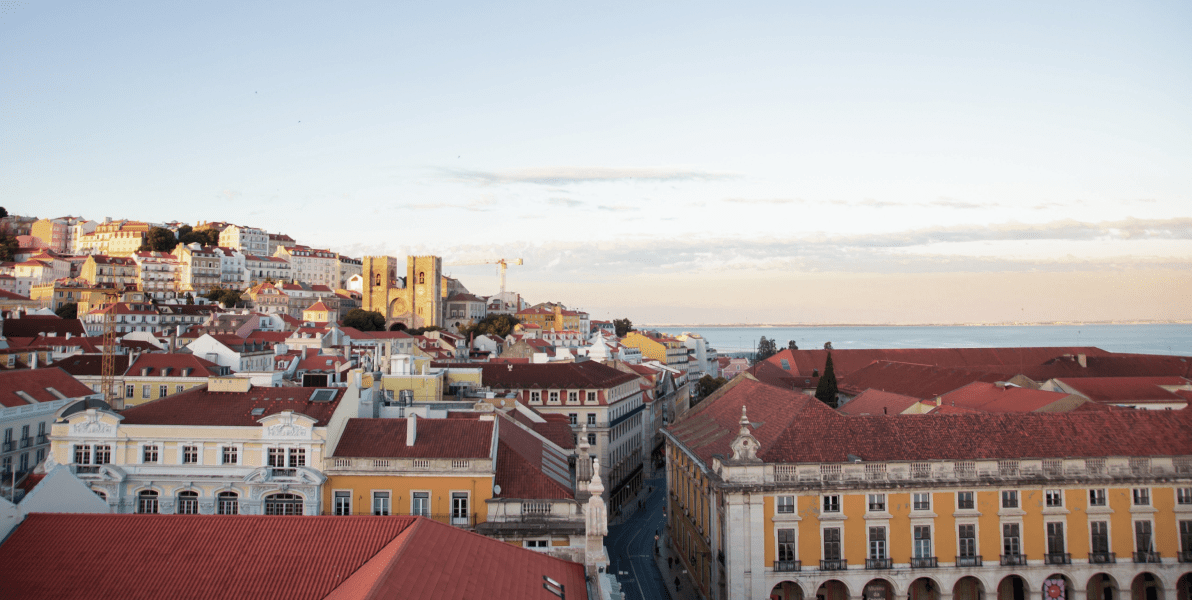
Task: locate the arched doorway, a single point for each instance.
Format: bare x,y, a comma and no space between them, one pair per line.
1058,587
283,504
787,590
968,588
1011,587
1102,587
1183,587
398,326
832,590
1146,587
878,589
924,588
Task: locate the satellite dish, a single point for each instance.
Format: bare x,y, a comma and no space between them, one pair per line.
496,490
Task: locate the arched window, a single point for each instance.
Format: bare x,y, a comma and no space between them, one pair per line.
283,504
378,278
227,503
101,494
421,277
147,502
188,502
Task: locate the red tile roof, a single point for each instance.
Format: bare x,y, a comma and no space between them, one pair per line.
529,469
4,295
803,362
581,375
435,438
267,557
557,428
919,381
988,397
35,383
90,364
172,365
877,402
33,327
202,407
1126,389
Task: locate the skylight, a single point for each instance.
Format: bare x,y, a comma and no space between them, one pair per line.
256,412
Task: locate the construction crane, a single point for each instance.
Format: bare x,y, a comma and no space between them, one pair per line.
108,360
502,265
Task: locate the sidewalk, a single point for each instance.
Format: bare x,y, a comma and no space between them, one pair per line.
687,591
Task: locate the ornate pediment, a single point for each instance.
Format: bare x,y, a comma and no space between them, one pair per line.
93,423
287,425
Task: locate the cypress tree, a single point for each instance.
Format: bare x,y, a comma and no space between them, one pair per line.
825,390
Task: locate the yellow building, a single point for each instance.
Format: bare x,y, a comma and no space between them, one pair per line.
114,238
110,272
417,302
774,495
660,347
154,376
319,313
552,317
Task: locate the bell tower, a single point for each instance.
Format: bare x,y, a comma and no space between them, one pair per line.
424,277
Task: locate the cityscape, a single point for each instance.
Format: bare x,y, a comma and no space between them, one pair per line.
612,302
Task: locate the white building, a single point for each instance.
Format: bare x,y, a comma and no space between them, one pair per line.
247,240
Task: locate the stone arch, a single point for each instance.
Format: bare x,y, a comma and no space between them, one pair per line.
833,589
880,588
1103,586
787,590
968,587
1054,592
1183,587
924,588
1146,586
283,502
1013,587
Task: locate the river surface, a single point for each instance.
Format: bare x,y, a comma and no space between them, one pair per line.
1140,339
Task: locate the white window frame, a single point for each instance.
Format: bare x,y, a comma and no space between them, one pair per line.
429,498
1017,502
1062,523
973,497
388,502
1057,494
1099,494
831,504
869,541
781,502
1140,493
1183,496
156,451
1134,533
915,501
930,540
976,525
869,501
335,501
467,498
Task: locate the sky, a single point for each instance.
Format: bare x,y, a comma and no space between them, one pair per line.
673,163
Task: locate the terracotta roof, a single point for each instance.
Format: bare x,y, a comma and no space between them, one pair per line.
1126,389
435,438
775,375
86,344
33,327
274,337
317,306
919,381
877,402
234,409
528,468
266,557
36,383
90,364
989,397
1113,365
803,362
581,375
557,427
11,296
172,365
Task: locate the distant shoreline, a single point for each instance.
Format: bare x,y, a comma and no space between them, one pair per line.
828,325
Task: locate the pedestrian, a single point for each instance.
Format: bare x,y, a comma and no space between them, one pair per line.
678,584
670,562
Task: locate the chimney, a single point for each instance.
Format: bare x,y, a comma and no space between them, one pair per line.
411,429
885,410
1083,360
33,361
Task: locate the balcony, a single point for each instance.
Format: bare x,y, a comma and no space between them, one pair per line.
925,562
86,469
1102,558
26,442
42,439
279,472
968,561
788,565
878,563
1147,557
7,447
1013,560
835,564
1186,556
1057,558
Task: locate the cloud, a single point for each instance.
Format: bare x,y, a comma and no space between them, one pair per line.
953,203
568,202
480,205
575,175
765,200
618,208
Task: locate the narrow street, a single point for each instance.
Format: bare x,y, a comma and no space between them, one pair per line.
631,547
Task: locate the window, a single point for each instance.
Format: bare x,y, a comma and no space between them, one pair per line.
1055,538
832,503
964,501
103,454
82,454
922,502
1143,541
381,503
535,397
1183,496
277,457
591,418
968,540
1054,498
832,543
535,544
130,391
420,504
877,502
149,453
572,397
342,504
190,455
283,504
459,508
591,397
24,462
145,391
554,397
573,418
230,455
923,541
1142,496
163,391
1186,538
1011,543
227,503
1099,536
1010,499
877,542
147,502
1097,497
188,503
297,457
786,544
786,504
178,389
591,439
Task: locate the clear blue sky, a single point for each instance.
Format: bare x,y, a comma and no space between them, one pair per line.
606,141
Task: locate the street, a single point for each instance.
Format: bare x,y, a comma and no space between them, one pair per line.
631,547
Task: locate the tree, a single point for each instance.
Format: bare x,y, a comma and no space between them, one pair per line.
160,239
70,310
422,330
364,320
707,384
190,298
204,237
3,212
825,390
765,349
827,345
228,298
791,345
623,327
499,325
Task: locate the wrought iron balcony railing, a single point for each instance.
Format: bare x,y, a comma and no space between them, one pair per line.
1057,558
926,562
1013,560
878,563
968,561
788,565
1102,558
835,564
1147,557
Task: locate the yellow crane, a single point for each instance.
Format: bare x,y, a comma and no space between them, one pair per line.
502,265
108,361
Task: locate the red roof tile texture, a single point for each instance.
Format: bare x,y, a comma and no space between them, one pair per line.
877,402
523,464
1127,389
35,383
988,397
172,365
916,380
30,327
90,364
234,409
435,438
581,375
266,557
803,362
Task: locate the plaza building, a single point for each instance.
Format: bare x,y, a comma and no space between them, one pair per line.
772,494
